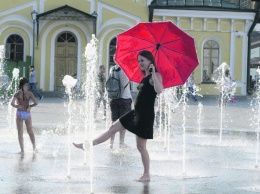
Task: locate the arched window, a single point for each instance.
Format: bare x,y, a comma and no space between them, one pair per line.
112,51
210,59
66,37
14,48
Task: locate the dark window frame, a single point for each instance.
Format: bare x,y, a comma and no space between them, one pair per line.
208,69
112,51
14,49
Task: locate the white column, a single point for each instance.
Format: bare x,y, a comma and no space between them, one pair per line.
205,24
191,23
232,25
163,18
219,22
41,6
178,21
232,52
244,63
92,6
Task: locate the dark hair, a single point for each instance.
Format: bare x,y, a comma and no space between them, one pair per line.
148,55
22,81
102,66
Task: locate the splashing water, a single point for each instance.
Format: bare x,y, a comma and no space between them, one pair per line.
166,109
169,104
69,82
227,88
255,104
91,54
1,58
16,73
199,116
4,79
108,111
184,106
159,114
192,89
14,88
1,68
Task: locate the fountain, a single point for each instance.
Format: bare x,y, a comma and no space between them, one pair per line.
255,104
167,104
199,116
4,79
8,88
14,88
1,58
227,88
91,54
184,107
69,82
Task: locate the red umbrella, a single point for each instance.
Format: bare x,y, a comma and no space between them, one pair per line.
173,49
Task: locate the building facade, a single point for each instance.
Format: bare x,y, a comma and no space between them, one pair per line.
55,40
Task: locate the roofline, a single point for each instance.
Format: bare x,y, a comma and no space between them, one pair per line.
201,8
195,8
62,7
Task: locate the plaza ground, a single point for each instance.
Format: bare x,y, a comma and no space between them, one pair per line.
194,158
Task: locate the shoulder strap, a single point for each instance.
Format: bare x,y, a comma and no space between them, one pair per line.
118,69
126,85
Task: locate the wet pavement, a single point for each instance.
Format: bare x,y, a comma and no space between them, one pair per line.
198,160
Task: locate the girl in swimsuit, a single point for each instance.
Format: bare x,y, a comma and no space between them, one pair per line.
140,120
21,101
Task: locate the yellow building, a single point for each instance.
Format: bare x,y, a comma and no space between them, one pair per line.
62,29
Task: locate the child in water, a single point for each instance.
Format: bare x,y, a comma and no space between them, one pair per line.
21,101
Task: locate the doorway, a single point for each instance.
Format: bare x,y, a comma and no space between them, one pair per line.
65,58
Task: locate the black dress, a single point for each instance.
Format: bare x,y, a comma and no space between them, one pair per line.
140,120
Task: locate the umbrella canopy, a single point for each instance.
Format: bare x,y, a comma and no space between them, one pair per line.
173,49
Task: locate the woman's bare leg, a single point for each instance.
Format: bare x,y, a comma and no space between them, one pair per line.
122,139
28,124
19,125
112,138
112,141
115,127
141,146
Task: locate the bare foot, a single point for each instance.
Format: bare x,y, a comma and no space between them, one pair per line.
123,145
21,152
78,145
144,178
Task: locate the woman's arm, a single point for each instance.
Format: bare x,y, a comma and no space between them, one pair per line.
32,97
13,102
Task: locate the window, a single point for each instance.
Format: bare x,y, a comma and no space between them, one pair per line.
112,51
14,48
66,37
210,59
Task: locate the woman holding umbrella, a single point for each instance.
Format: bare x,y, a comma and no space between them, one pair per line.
139,120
